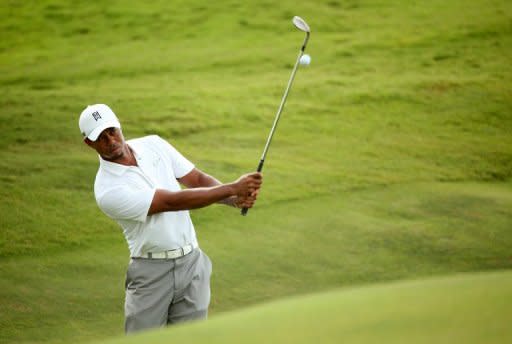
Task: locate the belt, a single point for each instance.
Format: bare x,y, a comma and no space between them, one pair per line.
170,254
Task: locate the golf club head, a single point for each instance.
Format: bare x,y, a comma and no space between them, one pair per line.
301,24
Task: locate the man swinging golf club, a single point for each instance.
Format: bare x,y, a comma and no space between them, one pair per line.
137,185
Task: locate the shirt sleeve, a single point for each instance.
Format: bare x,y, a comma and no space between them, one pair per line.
123,202
181,165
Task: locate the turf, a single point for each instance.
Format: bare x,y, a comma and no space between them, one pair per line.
392,160
472,308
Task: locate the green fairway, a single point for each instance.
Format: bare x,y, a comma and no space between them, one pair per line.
464,308
392,160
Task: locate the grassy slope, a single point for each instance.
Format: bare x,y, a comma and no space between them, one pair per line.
375,235
375,173
471,308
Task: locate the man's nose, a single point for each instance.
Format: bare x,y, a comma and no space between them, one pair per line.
110,138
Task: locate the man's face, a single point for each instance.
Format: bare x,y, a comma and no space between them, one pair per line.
110,144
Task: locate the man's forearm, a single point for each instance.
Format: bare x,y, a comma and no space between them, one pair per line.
197,179
205,180
165,200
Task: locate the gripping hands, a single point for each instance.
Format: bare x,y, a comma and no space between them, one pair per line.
247,188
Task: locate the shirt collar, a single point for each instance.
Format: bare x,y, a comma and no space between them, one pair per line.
115,168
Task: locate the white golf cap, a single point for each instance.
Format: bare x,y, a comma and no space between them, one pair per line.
96,118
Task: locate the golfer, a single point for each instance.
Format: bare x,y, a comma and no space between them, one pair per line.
137,185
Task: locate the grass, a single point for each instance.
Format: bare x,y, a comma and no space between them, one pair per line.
392,160
471,308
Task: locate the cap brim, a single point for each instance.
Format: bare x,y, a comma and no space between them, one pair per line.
93,136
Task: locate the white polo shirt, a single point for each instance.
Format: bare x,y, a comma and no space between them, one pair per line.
125,194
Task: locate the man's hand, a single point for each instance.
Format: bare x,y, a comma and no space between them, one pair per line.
247,185
247,190
246,202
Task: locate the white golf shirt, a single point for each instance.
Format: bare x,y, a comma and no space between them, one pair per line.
125,194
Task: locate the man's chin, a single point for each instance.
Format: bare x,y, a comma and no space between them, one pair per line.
114,156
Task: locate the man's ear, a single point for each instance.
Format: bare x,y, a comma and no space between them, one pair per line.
88,142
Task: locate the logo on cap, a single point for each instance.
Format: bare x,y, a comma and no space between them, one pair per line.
96,115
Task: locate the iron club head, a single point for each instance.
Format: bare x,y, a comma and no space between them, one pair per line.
301,24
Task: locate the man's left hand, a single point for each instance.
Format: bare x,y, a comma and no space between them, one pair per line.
246,202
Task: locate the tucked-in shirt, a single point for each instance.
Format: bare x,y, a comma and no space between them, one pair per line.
125,194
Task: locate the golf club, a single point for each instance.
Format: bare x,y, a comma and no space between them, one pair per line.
303,26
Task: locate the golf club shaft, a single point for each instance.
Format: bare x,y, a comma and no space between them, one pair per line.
279,110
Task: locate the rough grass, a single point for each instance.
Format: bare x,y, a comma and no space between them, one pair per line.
392,160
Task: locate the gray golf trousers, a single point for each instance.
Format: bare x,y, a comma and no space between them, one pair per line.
161,292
